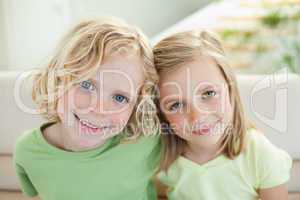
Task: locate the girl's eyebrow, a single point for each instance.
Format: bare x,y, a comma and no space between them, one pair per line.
207,87
171,100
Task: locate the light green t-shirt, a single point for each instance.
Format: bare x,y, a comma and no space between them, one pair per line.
112,172
261,165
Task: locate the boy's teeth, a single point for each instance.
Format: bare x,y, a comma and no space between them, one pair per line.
85,122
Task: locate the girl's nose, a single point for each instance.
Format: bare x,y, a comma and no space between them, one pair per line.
196,114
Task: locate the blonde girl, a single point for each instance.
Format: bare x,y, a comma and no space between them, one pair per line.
209,151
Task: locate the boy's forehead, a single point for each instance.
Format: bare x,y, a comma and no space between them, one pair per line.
128,67
119,75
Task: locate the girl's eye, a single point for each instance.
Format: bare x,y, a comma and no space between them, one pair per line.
120,98
87,85
208,94
175,106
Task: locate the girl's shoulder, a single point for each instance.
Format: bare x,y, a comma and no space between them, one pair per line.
270,164
256,142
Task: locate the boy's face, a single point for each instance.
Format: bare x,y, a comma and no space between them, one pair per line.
195,100
99,108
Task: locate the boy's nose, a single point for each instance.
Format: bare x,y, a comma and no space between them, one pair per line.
98,106
104,108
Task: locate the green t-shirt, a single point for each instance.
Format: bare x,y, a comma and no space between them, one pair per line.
112,172
261,165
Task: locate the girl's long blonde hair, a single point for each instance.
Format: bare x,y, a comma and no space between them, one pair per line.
178,49
80,55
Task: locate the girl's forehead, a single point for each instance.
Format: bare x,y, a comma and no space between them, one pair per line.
195,74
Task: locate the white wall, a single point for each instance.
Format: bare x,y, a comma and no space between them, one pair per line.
3,56
151,15
30,29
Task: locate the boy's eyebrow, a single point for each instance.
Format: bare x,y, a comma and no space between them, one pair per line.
117,90
93,80
124,93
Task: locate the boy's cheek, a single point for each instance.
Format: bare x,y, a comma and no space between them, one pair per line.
120,120
81,100
61,107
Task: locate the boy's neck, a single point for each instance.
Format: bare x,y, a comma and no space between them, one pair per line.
52,135
58,136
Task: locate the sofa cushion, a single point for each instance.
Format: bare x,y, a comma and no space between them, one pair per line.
8,178
14,118
271,102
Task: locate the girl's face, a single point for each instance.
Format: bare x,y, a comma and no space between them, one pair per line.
195,100
100,107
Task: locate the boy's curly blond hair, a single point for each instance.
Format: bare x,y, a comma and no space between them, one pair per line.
81,53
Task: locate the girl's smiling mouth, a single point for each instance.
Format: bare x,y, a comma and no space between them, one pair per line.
204,129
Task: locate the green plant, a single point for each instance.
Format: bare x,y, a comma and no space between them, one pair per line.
291,55
274,18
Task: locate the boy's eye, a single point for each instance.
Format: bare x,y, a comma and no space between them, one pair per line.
120,98
88,85
208,94
175,106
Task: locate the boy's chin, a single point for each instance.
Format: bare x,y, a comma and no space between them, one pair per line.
88,145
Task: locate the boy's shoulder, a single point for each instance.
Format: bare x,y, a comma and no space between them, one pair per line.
25,142
143,143
27,137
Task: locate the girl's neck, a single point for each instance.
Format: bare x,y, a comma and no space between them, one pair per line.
202,154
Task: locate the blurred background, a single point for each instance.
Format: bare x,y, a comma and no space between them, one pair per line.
261,38
253,30
30,29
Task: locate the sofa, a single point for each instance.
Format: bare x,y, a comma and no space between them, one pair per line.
270,101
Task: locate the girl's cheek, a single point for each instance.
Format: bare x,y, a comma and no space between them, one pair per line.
176,122
215,105
219,105
228,113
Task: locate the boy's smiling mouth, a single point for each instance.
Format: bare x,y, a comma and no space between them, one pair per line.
87,126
